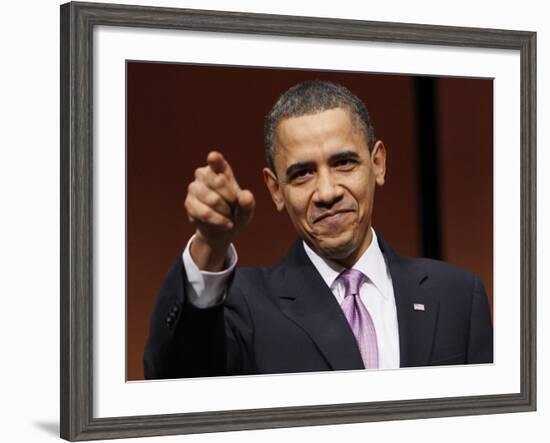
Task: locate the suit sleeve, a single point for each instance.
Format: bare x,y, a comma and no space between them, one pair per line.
480,345
188,341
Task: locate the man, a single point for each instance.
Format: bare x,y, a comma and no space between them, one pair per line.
341,298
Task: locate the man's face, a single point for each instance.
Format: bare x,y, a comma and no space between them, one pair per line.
325,179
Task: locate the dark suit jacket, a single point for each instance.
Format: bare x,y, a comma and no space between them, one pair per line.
285,319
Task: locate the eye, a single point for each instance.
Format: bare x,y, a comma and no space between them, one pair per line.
345,164
301,175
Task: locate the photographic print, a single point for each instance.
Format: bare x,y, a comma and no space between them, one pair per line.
436,201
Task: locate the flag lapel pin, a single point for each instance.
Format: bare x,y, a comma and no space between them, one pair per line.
419,307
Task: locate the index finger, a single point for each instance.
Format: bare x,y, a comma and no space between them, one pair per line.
217,163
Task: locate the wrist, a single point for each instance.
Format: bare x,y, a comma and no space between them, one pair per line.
208,256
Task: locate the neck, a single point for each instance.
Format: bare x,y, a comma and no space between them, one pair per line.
349,260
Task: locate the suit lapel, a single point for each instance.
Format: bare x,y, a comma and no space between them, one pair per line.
417,307
308,302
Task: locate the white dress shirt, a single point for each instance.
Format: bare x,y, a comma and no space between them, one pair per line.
206,289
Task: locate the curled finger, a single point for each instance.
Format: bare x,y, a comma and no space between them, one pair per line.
199,212
210,198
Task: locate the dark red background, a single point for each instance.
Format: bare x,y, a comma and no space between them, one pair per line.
176,113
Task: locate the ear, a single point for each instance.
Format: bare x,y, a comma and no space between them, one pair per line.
274,188
378,158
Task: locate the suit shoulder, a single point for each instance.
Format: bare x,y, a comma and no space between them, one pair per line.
258,283
421,267
261,274
250,274
442,266
443,272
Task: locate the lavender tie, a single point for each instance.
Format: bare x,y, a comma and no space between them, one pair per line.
359,318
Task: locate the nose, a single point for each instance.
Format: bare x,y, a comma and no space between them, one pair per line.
328,191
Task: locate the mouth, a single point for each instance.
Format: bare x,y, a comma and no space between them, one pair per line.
331,215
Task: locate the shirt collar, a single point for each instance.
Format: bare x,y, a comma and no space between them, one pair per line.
371,263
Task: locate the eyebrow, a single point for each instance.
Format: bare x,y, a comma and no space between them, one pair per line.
300,166
345,155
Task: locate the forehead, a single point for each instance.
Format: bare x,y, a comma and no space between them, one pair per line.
324,132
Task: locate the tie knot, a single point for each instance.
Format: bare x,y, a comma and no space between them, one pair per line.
352,280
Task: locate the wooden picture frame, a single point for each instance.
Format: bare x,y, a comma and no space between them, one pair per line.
78,21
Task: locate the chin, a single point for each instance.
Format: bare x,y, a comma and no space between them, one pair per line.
336,250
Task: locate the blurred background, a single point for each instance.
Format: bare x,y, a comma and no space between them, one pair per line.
437,201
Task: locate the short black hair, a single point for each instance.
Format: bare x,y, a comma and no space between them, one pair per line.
312,97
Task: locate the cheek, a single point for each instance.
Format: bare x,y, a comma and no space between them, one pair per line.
297,205
363,191
365,202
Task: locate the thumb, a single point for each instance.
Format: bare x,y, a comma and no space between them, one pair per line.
245,208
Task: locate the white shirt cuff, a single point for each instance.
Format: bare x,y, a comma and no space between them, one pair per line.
207,289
